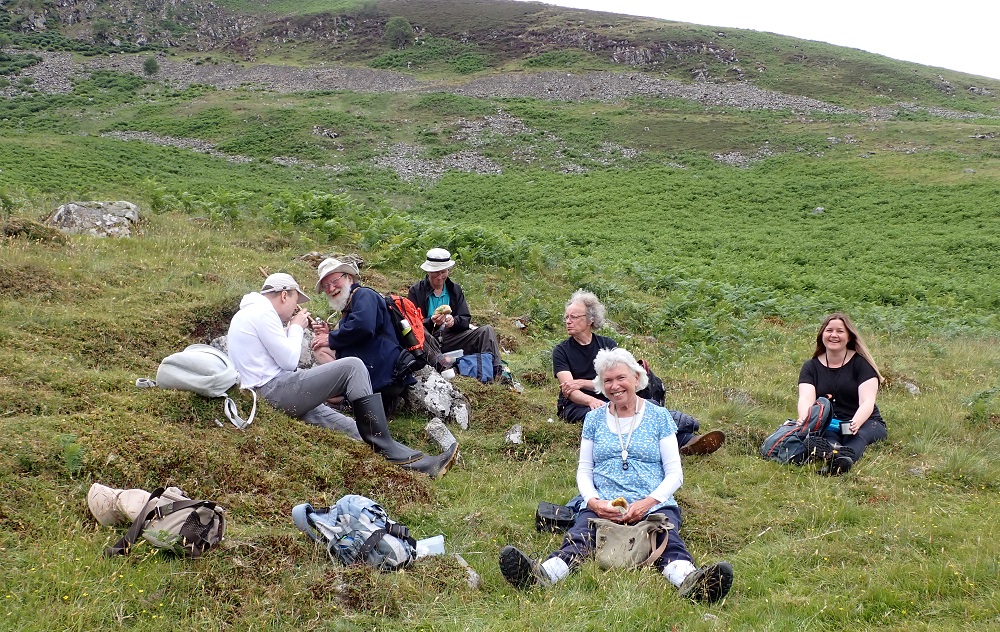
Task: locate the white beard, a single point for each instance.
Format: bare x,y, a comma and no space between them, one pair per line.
339,302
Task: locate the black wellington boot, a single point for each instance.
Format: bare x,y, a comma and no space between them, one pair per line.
434,466
374,430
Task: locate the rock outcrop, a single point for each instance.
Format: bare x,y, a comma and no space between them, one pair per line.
101,219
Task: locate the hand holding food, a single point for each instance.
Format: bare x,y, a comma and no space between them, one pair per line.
442,316
620,503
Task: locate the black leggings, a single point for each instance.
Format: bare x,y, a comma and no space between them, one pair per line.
870,432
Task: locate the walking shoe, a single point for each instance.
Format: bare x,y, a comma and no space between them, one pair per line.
709,583
839,464
507,379
820,448
704,444
520,570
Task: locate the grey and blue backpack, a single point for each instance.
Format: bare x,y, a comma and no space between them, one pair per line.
357,530
787,444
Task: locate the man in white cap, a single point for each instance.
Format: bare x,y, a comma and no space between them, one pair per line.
265,341
365,331
450,328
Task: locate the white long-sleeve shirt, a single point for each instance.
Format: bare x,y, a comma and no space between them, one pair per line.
662,489
259,345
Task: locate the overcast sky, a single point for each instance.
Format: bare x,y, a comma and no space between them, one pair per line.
959,35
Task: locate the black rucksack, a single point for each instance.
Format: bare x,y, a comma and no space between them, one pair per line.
787,444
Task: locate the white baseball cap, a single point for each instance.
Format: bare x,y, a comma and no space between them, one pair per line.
282,282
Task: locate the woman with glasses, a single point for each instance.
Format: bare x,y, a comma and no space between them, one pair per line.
573,365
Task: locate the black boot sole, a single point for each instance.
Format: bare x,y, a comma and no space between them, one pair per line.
517,568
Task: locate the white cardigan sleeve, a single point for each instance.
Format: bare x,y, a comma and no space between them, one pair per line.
673,475
585,471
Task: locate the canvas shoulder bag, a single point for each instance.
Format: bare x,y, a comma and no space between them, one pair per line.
185,527
629,545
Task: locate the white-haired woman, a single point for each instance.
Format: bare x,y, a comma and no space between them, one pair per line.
628,450
573,365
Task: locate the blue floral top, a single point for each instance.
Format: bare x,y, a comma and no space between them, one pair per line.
645,471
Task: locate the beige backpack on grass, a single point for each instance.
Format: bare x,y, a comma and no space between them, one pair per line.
166,518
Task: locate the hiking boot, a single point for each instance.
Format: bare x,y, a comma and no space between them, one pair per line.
820,448
839,464
704,444
507,379
520,570
709,583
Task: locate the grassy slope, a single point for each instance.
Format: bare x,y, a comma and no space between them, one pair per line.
728,268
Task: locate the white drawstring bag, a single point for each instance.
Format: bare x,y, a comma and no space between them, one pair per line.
204,370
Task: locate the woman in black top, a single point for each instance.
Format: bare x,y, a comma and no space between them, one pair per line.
573,365
842,369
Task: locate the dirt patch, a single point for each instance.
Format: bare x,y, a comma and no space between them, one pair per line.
21,228
208,322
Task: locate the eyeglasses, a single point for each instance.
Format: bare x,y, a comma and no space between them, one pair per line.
331,282
572,318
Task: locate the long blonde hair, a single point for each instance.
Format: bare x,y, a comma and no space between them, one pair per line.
854,341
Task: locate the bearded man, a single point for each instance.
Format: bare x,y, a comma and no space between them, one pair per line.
365,330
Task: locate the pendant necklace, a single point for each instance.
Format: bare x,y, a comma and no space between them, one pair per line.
618,429
836,376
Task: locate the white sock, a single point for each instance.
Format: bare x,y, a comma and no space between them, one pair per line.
678,570
555,568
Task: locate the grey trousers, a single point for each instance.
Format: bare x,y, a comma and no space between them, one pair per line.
303,393
479,340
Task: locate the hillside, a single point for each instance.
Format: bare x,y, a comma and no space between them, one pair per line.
721,191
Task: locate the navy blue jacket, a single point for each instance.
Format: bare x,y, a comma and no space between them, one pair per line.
365,331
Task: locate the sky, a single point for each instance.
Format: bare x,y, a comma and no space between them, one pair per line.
959,35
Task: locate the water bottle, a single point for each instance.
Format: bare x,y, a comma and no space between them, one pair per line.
409,338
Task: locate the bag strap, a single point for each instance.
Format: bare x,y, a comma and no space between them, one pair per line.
370,543
301,516
662,526
657,550
165,510
233,413
122,546
400,531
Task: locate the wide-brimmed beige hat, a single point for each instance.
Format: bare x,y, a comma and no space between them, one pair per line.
283,282
437,259
331,265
